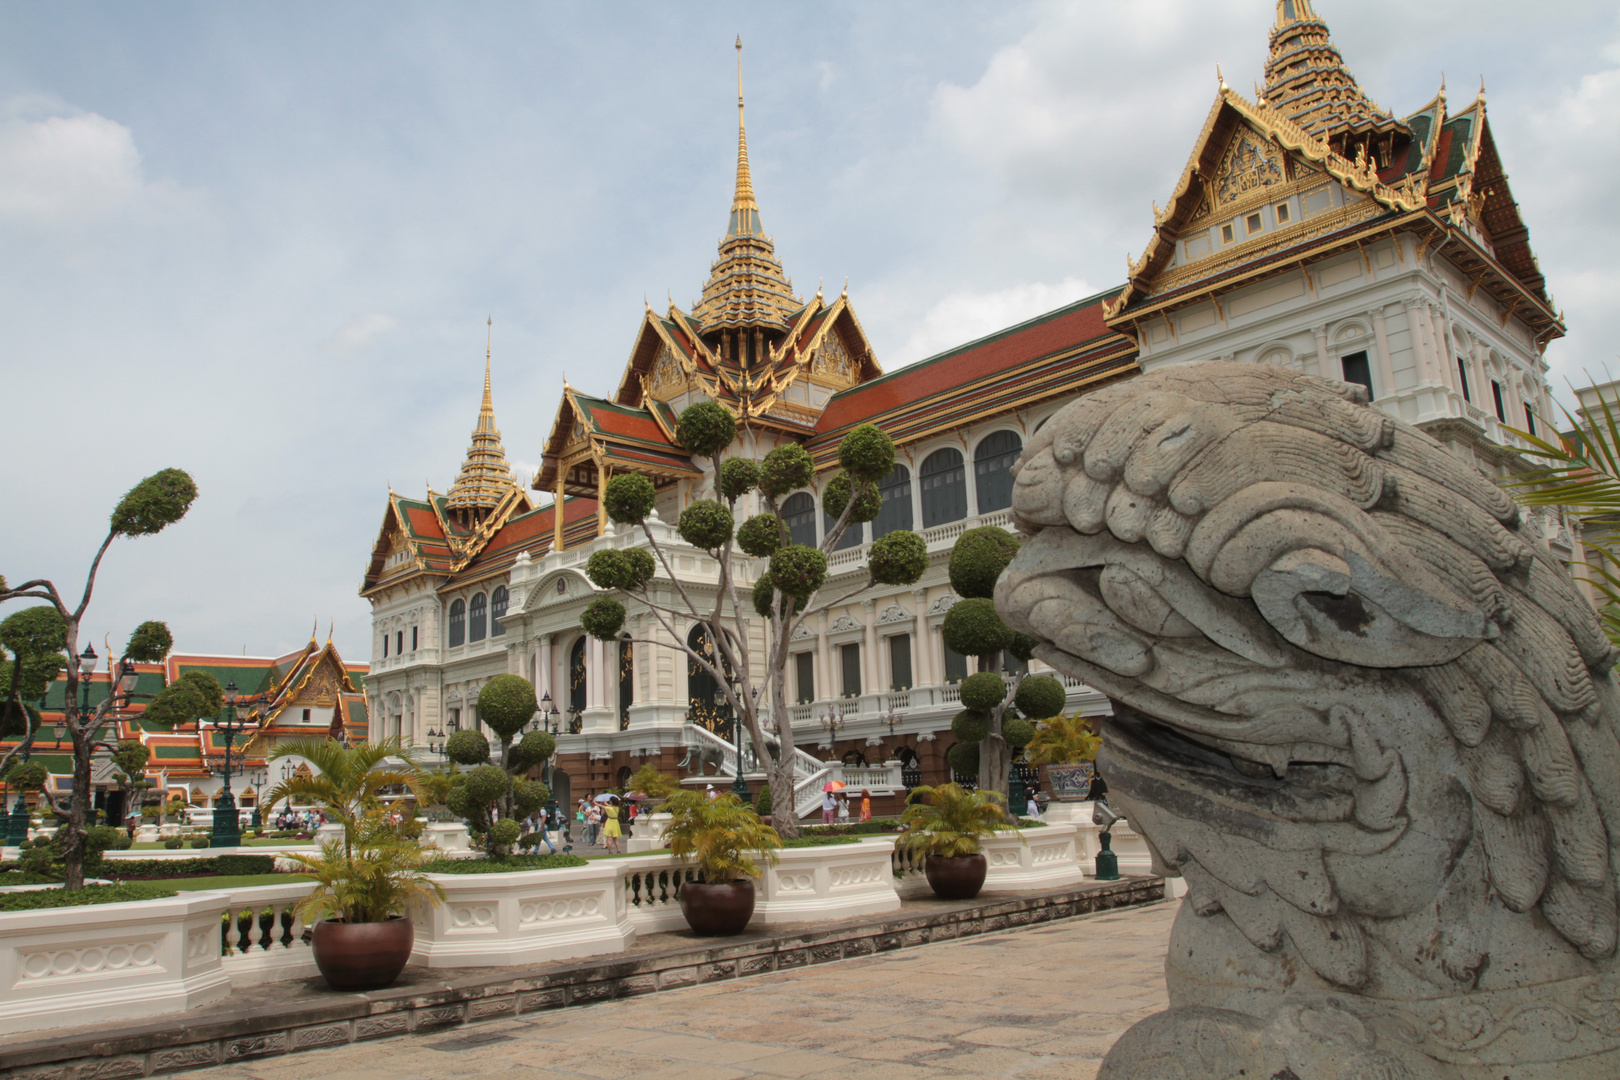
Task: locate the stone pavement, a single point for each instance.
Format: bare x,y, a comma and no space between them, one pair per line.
1042,1003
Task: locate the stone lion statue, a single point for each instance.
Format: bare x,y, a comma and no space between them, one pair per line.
1358,708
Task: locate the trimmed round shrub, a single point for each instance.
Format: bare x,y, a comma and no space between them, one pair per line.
531,751
174,843
785,468
963,759
866,453
798,569
611,568
529,796
763,590
1040,697
706,524
26,776
760,535
762,801
738,476
898,558
973,628
467,747
506,703
629,498
970,725
705,429
154,504
1017,731
199,842
603,618
837,496
505,832
487,783
1023,646
978,558
983,690
150,643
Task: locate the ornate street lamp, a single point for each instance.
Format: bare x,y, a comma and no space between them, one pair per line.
227,826
832,723
257,779
549,719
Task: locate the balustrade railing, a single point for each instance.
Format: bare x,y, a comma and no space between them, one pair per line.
261,936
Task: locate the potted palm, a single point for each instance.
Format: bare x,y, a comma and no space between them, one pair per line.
366,876
718,835
1065,749
943,826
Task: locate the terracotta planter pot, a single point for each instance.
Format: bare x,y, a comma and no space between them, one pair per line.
959,878
718,910
362,956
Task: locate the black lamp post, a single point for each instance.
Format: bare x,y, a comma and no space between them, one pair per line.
549,718
227,827
258,778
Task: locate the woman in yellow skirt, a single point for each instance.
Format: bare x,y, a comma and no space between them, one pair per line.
610,827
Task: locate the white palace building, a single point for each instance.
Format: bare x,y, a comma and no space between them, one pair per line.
1311,228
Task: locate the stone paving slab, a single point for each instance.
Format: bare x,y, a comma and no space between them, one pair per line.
296,1017
1037,1003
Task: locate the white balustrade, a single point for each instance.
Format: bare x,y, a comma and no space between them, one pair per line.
1016,860
838,881
524,917
651,885
899,699
262,938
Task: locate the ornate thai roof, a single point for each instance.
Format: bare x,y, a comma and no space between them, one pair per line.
486,478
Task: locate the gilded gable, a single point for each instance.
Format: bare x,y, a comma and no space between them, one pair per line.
1249,164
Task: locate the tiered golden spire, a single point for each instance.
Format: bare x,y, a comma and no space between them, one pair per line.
1306,80
485,477
746,286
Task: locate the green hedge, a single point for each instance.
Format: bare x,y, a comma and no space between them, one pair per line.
92,894
217,866
821,841
25,877
877,826
502,866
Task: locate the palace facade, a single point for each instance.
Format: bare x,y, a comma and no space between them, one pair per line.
1310,228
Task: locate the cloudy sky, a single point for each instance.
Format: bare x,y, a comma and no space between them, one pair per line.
259,242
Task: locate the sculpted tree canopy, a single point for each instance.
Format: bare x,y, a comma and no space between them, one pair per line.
1359,707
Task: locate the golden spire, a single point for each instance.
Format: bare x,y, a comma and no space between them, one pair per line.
1290,11
1307,81
485,475
744,210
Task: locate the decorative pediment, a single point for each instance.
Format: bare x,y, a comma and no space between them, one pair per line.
803,633
1251,162
894,613
943,604
843,624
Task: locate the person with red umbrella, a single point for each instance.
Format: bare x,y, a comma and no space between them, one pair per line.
829,804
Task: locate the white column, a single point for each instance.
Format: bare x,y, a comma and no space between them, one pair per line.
1323,368
1386,366
922,657
874,681
593,673
824,661
543,676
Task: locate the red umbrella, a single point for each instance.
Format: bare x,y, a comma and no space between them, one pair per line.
833,785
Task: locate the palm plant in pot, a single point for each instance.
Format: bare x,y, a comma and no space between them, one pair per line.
720,837
365,878
1065,749
942,826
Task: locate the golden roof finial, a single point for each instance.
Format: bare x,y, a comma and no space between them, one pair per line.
1221,79
485,473
314,627
744,210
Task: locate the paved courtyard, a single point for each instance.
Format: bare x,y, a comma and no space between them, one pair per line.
1039,1004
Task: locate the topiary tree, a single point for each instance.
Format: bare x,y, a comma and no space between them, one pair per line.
149,507
754,686
505,704
1002,707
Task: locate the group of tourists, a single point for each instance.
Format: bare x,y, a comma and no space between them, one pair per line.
305,821
835,807
606,821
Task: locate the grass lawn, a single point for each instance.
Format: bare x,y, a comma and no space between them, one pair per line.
237,881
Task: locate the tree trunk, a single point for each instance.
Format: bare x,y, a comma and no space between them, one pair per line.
79,801
786,819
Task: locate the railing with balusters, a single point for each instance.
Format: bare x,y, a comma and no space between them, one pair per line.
652,886
262,937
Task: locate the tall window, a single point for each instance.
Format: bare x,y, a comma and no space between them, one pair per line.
577,674
1358,370
399,642
804,669
944,488
900,662
706,706
849,657
1529,420
627,681
799,512
896,492
497,610
1462,377
385,644
1496,399
478,617
992,469
458,622
955,666
413,639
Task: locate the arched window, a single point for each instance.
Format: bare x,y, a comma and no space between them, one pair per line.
705,707
944,487
627,681
576,684
992,469
458,622
479,612
896,513
799,512
497,610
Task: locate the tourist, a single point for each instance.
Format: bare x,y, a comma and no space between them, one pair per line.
593,824
711,793
843,809
866,805
829,807
610,830
1033,810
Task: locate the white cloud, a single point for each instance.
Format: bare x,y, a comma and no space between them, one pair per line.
964,316
362,332
65,168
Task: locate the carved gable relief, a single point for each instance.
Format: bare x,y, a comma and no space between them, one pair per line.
832,361
667,378
894,613
1250,163
321,690
843,625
